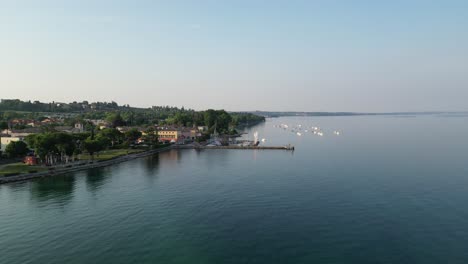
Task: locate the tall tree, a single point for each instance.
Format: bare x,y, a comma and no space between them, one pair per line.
16,149
115,119
113,135
132,135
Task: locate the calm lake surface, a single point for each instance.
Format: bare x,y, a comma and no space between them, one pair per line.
389,189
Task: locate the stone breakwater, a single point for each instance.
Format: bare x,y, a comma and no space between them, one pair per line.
80,166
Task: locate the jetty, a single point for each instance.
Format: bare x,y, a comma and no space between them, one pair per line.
288,147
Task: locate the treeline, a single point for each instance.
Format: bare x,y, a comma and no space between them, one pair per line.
127,116
58,147
247,118
94,108
37,106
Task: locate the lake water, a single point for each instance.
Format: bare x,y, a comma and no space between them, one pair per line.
389,189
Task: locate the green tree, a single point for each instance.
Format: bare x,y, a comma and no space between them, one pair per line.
132,135
181,119
113,135
65,145
209,117
16,149
3,125
115,119
223,119
53,147
93,146
151,136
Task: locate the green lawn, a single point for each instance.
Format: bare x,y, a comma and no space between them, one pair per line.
109,154
19,168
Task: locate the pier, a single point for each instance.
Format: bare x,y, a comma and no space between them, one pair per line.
291,148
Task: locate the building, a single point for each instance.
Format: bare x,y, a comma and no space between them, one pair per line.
79,127
24,122
22,133
169,134
191,133
4,141
99,122
123,129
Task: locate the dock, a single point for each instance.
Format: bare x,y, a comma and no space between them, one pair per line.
291,148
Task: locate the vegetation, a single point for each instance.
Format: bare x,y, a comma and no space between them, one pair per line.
16,149
36,106
59,147
110,154
17,168
53,148
123,115
132,135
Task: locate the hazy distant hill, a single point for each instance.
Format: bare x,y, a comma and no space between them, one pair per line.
278,114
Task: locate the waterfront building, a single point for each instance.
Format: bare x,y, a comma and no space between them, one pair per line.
169,134
190,133
4,141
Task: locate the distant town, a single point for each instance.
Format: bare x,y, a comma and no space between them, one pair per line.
36,136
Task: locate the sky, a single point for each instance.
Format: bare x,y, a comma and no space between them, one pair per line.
244,55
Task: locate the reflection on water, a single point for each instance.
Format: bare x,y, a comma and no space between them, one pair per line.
389,190
171,155
151,164
96,178
59,189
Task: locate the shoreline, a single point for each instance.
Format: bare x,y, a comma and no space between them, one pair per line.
86,166
104,163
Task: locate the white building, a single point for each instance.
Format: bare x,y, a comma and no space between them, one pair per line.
4,141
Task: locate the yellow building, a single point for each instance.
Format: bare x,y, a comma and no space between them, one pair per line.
169,134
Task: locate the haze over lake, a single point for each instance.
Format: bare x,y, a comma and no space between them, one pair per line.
389,189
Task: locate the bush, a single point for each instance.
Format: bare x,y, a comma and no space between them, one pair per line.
32,171
16,149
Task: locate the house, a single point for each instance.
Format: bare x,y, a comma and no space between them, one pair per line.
98,122
68,129
190,133
170,134
25,122
122,129
79,127
4,141
34,123
22,133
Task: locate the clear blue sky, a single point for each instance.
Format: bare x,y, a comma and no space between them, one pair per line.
239,55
